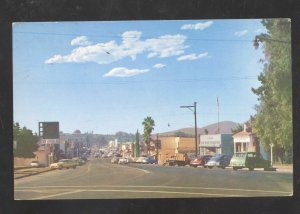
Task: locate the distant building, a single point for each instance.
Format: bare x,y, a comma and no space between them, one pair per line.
175,147
216,144
247,141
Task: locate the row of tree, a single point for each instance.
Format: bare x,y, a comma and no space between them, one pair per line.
26,141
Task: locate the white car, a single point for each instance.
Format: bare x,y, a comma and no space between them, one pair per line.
34,164
64,163
123,160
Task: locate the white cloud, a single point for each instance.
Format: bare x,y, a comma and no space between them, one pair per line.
241,33
159,65
80,40
198,26
192,56
131,46
124,72
166,46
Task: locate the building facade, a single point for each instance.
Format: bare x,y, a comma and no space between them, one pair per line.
216,144
175,148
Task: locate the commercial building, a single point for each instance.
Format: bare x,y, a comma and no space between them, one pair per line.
216,144
175,148
247,141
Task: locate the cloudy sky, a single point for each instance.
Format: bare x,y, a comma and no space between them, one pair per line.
108,76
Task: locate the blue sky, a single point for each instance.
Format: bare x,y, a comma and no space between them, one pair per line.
108,76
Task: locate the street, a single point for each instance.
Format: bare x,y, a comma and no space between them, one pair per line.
99,179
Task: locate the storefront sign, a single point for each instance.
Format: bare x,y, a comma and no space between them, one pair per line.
210,140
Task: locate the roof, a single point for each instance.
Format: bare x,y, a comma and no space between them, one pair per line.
242,134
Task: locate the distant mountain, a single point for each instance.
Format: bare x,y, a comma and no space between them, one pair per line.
225,128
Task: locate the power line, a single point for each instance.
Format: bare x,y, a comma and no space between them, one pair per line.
144,81
195,39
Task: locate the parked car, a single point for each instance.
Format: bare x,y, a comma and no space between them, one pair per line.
123,160
114,160
78,161
249,160
34,164
200,161
146,160
219,160
64,163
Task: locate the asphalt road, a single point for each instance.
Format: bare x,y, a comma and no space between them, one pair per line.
99,179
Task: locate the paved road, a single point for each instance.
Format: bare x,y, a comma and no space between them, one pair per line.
98,179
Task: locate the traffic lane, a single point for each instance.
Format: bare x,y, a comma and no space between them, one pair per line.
134,181
221,178
118,192
94,172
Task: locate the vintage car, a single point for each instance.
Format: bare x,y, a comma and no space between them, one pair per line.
219,160
249,160
200,161
64,163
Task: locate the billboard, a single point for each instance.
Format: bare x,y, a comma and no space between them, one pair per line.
49,130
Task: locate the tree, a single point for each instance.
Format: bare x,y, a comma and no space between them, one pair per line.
148,124
237,129
77,131
180,134
273,119
26,141
137,144
206,131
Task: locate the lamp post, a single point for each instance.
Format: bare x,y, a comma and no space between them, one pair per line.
195,114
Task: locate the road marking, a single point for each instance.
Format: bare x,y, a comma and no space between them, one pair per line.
166,192
59,194
170,187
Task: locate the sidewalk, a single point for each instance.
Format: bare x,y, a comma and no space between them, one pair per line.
283,167
21,172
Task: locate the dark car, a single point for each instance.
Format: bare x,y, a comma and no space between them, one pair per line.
219,160
200,161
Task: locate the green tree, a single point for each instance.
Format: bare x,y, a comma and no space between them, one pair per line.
137,144
148,124
273,120
237,129
26,141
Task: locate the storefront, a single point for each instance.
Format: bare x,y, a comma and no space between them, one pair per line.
216,144
245,142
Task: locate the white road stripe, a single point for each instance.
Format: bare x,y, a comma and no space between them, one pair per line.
170,187
164,192
59,194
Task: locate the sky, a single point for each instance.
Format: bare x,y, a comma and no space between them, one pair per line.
108,76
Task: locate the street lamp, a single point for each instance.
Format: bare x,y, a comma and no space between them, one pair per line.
195,114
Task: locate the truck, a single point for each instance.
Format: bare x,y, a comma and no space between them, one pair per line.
180,160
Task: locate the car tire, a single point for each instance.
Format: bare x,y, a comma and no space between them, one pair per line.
251,168
235,168
210,167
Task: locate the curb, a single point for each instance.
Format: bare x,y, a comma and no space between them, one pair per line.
22,167
36,173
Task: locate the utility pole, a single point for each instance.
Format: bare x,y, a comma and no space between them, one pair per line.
157,147
195,114
218,116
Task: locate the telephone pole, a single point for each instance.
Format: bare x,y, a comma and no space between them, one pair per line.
195,114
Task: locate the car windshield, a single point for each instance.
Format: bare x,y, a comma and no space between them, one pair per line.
34,162
217,157
239,155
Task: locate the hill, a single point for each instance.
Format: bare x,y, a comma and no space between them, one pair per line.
225,128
